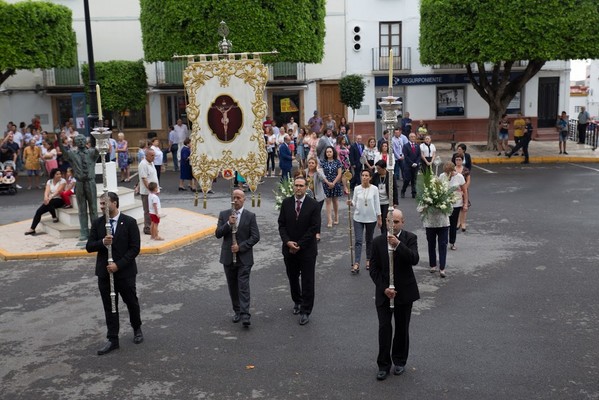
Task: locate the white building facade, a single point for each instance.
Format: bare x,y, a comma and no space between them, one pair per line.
359,35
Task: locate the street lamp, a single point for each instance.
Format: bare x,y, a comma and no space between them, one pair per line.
92,117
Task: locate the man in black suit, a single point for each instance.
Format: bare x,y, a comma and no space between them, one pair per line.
299,220
238,272
411,152
355,160
125,244
404,293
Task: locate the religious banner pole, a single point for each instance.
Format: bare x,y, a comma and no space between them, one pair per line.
226,107
390,105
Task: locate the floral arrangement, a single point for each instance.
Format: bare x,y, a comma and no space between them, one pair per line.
284,189
434,195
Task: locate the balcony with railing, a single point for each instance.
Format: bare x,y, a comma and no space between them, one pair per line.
286,72
170,73
402,62
62,77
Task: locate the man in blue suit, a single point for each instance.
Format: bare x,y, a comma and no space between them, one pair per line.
285,158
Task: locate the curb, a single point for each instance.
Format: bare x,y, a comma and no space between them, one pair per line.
534,160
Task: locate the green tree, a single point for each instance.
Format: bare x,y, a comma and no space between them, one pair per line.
123,86
351,91
35,35
491,36
295,28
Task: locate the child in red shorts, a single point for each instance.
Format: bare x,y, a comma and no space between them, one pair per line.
154,206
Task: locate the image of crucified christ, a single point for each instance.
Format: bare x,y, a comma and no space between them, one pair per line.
224,109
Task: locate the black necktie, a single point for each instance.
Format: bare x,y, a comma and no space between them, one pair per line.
112,222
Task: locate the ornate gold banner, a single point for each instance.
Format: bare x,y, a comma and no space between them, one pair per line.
226,107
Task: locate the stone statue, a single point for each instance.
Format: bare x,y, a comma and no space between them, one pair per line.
83,162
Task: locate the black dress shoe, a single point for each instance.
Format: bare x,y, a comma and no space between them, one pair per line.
236,318
304,319
398,370
246,320
108,347
296,309
138,336
382,375
403,195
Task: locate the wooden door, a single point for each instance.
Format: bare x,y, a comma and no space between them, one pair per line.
329,101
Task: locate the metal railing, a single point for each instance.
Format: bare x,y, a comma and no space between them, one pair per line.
62,77
287,71
591,136
403,61
170,72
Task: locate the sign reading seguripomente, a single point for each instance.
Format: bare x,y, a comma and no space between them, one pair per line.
429,79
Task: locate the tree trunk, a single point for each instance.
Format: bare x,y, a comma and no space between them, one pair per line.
4,75
494,117
120,122
353,126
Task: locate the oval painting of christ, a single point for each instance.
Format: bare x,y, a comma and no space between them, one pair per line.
225,118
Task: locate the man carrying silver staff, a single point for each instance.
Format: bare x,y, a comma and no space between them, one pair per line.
125,245
394,348
239,230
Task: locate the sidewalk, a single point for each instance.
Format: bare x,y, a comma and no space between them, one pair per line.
190,226
539,152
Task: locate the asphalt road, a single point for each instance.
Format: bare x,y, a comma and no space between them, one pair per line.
516,317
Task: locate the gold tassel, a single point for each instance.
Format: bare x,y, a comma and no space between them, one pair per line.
205,203
259,199
195,202
253,200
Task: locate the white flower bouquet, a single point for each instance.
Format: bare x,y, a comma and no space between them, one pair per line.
285,189
433,195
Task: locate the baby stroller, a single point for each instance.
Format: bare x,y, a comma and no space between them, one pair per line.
8,183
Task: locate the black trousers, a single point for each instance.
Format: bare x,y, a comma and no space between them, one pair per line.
270,160
126,289
522,144
582,133
44,208
409,178
453,224
175,150
393,348
238,281
300,272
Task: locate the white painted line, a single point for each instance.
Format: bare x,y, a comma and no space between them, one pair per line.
484,169
584,166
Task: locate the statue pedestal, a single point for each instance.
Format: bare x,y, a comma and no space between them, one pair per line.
111,180
68,227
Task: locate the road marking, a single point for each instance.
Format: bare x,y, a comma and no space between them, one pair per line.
584,166
484,169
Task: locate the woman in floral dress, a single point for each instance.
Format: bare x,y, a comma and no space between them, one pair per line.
343,153
333,169
122,150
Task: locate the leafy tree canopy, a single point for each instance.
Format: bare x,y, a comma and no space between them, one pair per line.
35,35
502,33
351,90
471,31
123,85
295,28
